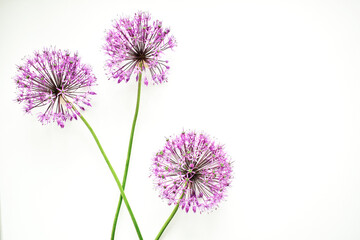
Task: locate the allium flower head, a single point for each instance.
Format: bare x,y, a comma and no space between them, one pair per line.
54,80
135,45
195,167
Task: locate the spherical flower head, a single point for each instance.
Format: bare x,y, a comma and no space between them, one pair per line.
137,45
192,170
55,82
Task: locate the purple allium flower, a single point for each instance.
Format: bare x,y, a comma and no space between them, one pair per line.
195,167
54,80
136,45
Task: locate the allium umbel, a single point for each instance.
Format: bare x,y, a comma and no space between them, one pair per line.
136,45
54,80
192,170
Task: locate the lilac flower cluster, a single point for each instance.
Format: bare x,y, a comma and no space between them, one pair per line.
136,45
193,171
54,80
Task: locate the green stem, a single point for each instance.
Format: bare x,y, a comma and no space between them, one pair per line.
169,219
114,175
128,156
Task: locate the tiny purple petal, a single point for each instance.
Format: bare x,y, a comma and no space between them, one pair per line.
52,81
194,165
136,45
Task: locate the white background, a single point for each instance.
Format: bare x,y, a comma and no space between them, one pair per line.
276,81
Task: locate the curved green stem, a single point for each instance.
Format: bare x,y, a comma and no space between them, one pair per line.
114,175
169,219
128,157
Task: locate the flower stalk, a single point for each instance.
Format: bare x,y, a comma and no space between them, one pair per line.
128,156
170,217
114,175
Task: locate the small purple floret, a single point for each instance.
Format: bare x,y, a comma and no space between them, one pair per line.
54,80
137,45
195,165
